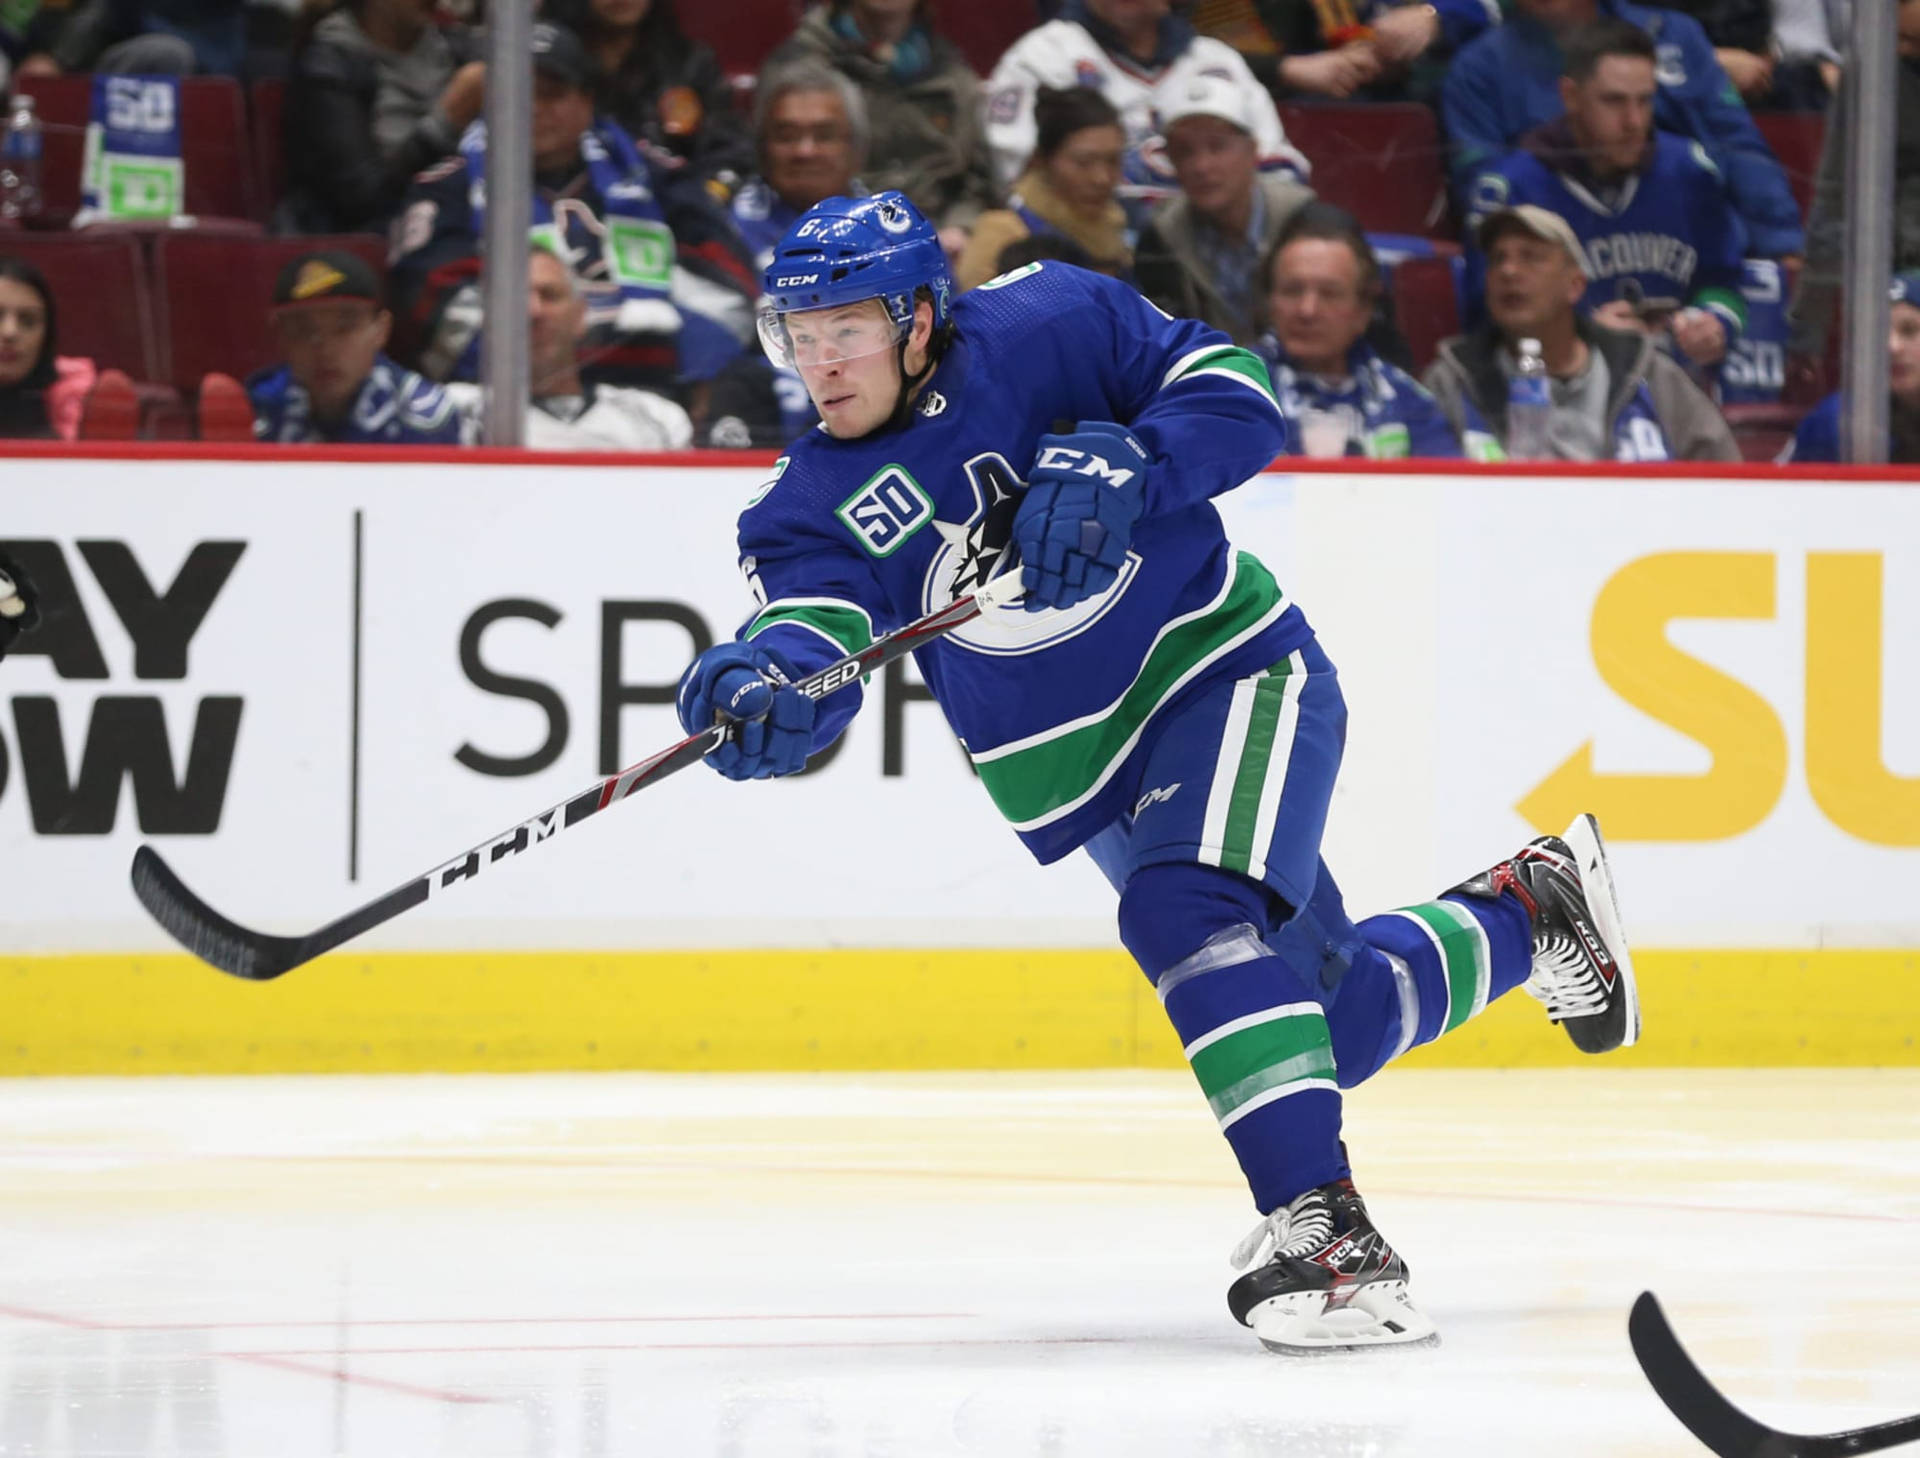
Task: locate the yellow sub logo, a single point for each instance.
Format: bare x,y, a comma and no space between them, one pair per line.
1846,770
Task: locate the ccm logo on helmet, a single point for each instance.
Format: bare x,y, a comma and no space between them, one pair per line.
797,280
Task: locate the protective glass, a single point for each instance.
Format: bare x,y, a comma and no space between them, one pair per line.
811,338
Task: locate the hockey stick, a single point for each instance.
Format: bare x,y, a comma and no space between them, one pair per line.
1718,1423
260,957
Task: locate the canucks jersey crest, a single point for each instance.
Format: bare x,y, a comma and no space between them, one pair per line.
973,552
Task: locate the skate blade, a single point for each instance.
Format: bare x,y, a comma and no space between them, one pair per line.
1590,854
1380,1315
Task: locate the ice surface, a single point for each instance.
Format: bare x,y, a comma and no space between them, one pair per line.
886,1266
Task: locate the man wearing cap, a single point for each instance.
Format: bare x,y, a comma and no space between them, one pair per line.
1200,256
669,286
1142,58
1818,438
1661,239
336,385
1615,396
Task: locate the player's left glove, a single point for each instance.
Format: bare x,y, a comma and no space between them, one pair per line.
753,685
1084,493
19,603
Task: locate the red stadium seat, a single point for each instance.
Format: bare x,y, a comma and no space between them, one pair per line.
215,291
983,29
111,411
742,32
213,143
1796,138
1383,163
1425,305
99,283
267,102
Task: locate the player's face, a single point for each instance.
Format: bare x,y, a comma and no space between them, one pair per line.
1086,168
808,146
560,114
23,330
1903,349
1215,162
556,317
1319,306
1531,283
330,346
849,361
1611,112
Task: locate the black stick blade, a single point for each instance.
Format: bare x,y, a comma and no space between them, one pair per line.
204,931
1687,1393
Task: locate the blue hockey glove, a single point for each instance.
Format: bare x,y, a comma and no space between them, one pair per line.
1084,493
753,685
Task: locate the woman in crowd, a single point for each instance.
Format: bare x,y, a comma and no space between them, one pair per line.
40,395
376,91
660,85
1068,189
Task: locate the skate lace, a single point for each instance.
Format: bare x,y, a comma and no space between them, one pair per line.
1564,979
1298,1229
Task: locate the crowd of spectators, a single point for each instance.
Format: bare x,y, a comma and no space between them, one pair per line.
1607,194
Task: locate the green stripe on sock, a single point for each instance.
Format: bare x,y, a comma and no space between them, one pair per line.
1243,807
1245,1064
1463,950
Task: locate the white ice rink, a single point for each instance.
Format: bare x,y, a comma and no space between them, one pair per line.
891,1266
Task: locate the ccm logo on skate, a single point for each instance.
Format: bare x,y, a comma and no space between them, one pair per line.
1739,726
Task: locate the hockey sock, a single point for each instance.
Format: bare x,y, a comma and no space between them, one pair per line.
1252,1028
1459,953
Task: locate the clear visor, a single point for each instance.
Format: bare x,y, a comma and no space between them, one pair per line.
814,338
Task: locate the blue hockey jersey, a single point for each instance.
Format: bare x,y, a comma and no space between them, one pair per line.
393,406
1666,233
852,538
1389,414
1508,81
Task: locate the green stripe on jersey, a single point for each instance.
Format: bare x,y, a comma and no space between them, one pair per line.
1243,809
1241,363
1466,953
1250,1061
842,623
1038,779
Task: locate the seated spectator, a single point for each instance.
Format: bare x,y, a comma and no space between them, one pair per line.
336,385
138,38
1041,248
1661,240
811,122
1810,33
659,85
1340,396
922,98
1818,438
376,91
564,412
1337,47
1507,82
27,368
1819,290
1067,189
1142,59
1615,397
1200,256
669,287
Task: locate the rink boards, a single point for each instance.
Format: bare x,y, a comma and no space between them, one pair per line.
309,678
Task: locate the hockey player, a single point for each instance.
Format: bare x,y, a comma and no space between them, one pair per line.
1155,700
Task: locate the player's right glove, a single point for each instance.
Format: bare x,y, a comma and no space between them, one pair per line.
19,603
752,685
1084,494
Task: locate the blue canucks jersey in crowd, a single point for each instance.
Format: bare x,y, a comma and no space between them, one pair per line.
1755,369
1389,414
852,538
394,406
1666,235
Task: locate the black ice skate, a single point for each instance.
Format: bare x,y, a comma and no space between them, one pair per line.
1323,1278
1582,971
